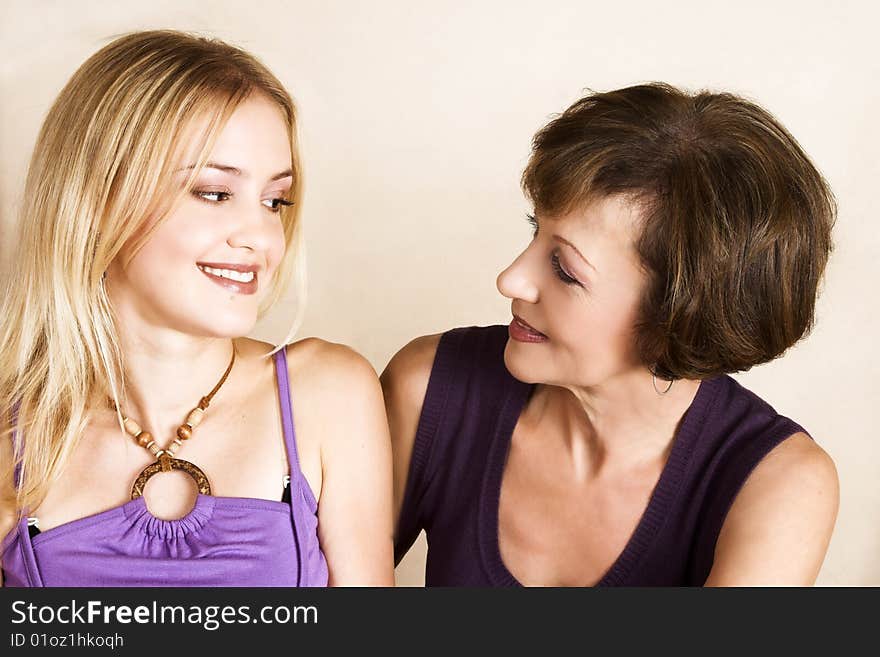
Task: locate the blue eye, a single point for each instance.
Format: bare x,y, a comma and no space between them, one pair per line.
563,275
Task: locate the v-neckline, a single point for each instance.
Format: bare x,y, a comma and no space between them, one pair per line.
662,497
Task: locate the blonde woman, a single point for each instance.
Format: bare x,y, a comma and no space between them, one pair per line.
147,442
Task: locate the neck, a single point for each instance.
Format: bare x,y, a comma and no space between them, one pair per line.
618,424
167,373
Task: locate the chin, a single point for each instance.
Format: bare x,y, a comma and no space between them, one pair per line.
526,368
225,327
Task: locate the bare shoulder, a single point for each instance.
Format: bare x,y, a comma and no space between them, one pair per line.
315,362
795,477
799,462
330,380
779,526
340,404
404,385
405,378
324,364
327,380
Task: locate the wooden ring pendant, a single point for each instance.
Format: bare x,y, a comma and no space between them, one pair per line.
166,464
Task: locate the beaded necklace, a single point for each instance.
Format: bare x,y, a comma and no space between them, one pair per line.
165,461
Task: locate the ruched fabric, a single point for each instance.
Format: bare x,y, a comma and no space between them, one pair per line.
222,541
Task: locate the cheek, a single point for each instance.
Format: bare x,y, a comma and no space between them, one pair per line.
598,326
620,313
619,319
175,244
277,248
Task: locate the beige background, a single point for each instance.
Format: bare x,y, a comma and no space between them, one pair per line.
416,120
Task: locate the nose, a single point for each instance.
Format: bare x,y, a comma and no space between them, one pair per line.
253,228
517,282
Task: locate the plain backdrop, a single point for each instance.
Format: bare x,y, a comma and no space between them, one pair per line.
416,119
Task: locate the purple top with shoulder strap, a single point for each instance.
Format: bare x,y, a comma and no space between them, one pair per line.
222,541
470,410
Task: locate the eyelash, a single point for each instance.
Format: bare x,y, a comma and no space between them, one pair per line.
560,272
203,195
533,222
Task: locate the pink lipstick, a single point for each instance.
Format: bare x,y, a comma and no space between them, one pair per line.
238,278
520,331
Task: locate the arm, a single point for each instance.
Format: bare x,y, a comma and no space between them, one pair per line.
354,515
778,528
405,382
7,494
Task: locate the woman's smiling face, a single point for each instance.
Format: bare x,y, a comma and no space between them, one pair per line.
575,294
207,266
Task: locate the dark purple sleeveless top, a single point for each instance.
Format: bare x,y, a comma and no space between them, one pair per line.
468,416
222,541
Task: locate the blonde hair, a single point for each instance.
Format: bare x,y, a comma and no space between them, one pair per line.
101,166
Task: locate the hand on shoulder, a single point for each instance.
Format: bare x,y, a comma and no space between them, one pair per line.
780,524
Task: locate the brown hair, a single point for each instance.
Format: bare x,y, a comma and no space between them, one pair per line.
736,219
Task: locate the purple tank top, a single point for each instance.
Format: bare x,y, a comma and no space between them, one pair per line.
468,416
222,541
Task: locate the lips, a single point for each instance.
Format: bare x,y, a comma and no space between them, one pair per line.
239,287
521,331
230,265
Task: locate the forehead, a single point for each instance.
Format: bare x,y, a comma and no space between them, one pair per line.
611,219
255,137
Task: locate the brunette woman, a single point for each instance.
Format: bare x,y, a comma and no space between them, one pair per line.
599,439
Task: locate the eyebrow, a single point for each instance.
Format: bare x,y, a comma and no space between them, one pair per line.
575,249
235,171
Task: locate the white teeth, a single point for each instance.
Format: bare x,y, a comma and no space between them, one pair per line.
240,276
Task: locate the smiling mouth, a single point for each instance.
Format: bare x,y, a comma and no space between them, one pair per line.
241,282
